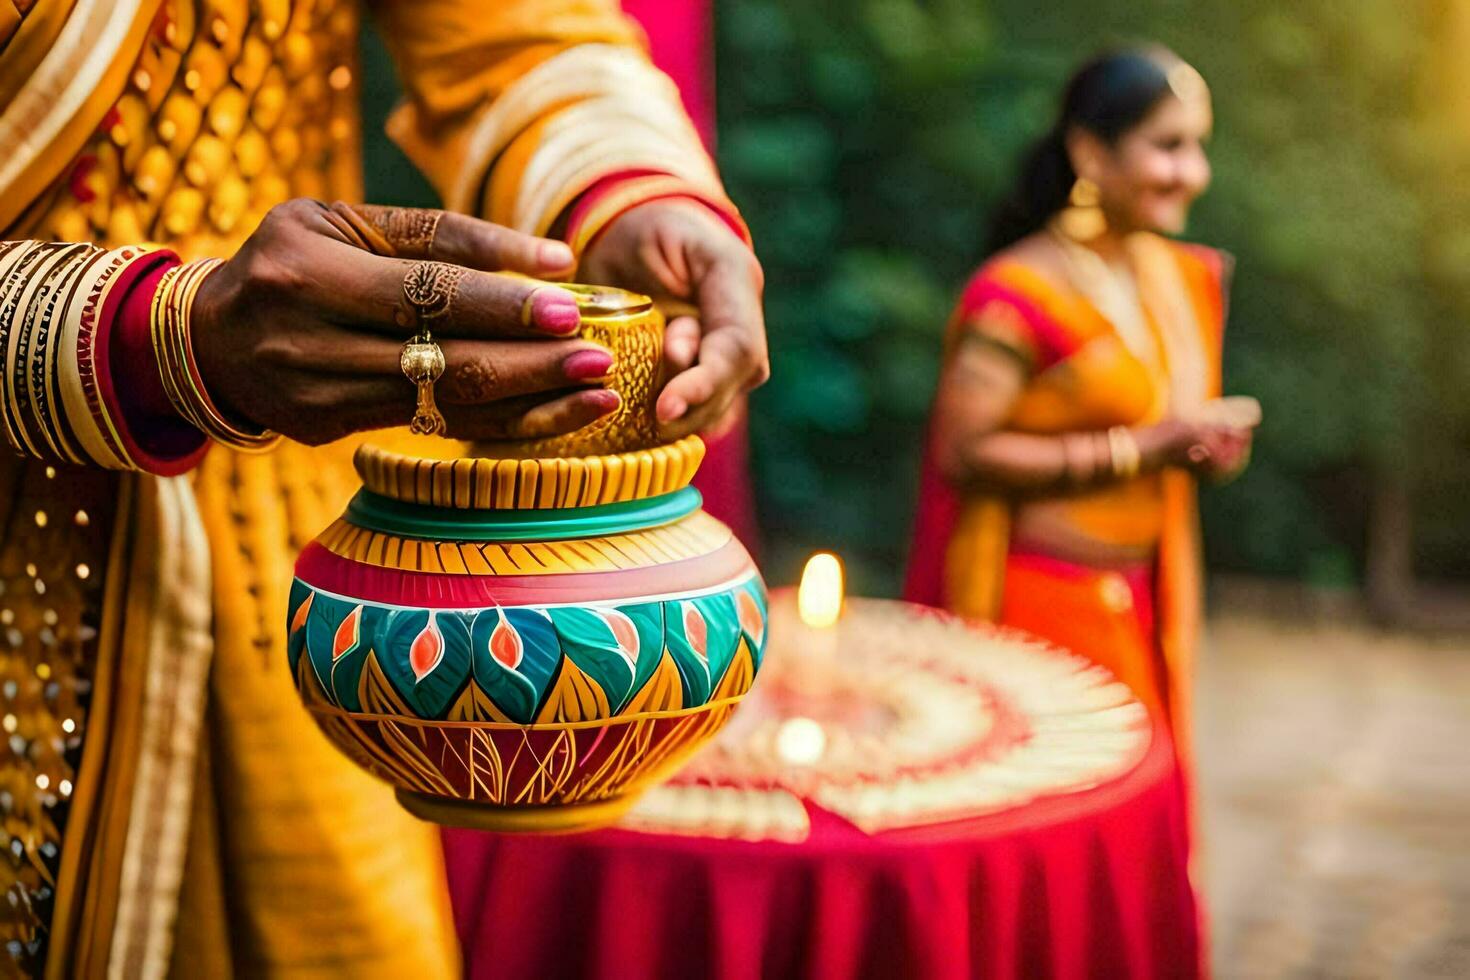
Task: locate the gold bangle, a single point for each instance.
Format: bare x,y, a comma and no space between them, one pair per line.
1123,452
173,346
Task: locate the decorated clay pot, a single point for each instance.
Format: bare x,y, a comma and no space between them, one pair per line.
527,643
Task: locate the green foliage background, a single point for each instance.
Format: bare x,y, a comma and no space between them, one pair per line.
867,139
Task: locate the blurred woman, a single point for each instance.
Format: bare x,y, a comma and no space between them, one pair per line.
1079,394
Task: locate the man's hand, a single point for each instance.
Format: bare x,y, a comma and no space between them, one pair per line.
301,331
682,254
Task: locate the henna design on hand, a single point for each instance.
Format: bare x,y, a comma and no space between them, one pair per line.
429,289
395,232
474,381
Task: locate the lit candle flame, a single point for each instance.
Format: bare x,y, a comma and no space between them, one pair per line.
800,741
819,598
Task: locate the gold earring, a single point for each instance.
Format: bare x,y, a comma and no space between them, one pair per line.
1082,219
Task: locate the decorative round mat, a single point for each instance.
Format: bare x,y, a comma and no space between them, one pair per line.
901,716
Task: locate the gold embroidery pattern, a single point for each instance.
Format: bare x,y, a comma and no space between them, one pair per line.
232,107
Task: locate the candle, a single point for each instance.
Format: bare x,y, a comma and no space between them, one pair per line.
801,741
819,597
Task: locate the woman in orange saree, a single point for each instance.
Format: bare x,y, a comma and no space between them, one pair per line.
1080,392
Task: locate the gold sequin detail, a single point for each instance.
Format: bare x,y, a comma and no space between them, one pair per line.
47,633
231,108
186,156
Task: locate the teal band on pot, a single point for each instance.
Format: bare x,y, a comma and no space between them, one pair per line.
379,513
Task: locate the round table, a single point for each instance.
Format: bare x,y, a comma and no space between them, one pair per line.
1048,838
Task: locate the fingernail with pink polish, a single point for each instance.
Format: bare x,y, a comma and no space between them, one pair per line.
555,311
605,400
670,409
587,365
554,255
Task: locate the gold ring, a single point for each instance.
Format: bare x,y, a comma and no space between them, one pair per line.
422,362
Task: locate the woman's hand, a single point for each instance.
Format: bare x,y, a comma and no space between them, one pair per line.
301,331
678,250
1221,452
1214,442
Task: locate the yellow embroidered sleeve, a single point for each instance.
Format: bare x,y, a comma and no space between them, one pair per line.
513,109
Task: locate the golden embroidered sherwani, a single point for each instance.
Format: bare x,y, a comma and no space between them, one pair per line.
166,804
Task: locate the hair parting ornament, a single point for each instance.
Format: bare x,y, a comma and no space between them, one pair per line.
1187,84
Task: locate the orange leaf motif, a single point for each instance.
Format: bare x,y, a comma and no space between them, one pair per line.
624,632
748,611
696,631
506,645
344,641
299,620
426,650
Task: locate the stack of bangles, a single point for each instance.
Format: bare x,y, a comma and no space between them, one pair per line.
175,351
1124,460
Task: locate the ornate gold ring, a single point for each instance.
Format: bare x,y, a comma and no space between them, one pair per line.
422,363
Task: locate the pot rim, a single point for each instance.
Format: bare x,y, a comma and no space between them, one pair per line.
378,513
490,484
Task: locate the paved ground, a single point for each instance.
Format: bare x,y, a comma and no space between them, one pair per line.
1336,787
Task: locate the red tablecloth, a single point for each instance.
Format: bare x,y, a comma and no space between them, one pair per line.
1092,883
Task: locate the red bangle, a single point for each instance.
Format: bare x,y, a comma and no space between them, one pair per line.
160,440
614,196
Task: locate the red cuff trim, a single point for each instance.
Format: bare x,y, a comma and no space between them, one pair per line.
600,189
616,194
156,436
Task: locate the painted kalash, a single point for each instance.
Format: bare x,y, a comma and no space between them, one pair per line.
527,639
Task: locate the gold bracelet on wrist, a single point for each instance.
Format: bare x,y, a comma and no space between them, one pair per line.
173,346
1123,452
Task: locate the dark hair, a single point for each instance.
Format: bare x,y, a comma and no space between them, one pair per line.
1107,97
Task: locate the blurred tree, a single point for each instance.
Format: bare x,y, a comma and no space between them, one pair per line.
867,139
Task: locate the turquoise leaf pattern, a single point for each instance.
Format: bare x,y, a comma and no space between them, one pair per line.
514,656
301,595
514,653
347,667
426,656
336,641
648,620
752,613
722,633
603,643
687,637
